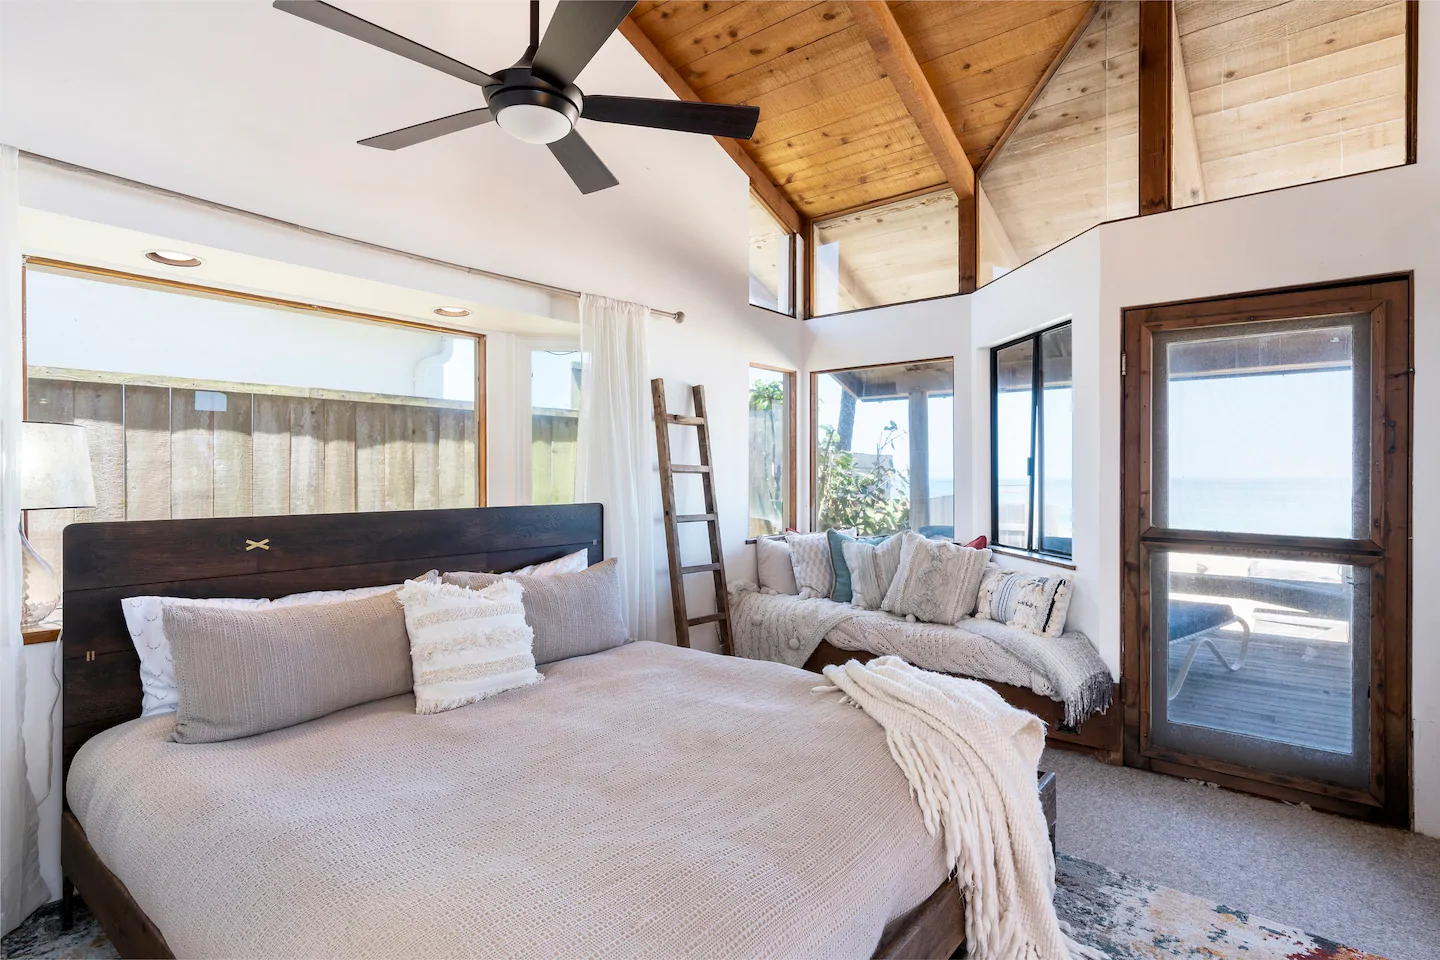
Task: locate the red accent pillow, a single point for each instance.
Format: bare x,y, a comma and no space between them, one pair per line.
979,543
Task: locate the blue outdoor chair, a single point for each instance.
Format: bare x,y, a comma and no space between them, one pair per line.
1190,621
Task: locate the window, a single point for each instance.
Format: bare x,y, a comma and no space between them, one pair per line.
772,444
198,403
554,424
1032,416
884,455
772,261
1285,93
894,253
1073,161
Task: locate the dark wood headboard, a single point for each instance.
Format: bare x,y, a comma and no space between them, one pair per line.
270,557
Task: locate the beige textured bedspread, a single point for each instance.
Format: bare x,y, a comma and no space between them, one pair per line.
645,801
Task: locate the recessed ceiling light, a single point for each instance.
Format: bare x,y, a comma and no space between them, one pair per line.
452,311
173,258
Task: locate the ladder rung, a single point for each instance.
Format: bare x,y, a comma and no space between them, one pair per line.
700,568
695,518
688,468
678,420
708,618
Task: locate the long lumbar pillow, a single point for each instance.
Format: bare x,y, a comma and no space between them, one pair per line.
246,672
145,621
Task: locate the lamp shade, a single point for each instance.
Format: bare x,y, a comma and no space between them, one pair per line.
54,467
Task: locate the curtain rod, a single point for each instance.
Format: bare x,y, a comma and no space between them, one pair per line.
678,316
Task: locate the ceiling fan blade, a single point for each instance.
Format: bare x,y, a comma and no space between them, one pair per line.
338,20
715,119
429,130
585,168
577,30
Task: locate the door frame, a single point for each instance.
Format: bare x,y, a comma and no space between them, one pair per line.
1387,551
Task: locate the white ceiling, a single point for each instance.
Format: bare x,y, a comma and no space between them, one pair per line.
235,102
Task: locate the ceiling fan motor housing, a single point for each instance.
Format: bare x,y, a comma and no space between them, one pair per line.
520,98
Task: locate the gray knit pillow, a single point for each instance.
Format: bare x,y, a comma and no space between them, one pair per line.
937,581
244,672
872,569
810,558
572,614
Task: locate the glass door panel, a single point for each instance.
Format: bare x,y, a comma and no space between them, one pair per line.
1264,428
1262,661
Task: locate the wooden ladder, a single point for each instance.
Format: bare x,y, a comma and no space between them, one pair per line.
711,518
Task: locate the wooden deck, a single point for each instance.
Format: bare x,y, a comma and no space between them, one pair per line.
1291,689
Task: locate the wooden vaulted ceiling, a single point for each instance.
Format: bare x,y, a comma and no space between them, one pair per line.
845,118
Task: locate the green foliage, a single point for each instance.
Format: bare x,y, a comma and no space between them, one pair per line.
850,496
767,395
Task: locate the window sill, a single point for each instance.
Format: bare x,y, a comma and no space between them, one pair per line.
1046,558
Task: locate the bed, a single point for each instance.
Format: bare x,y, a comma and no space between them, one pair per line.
661,814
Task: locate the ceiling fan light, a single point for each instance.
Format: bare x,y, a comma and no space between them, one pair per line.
533,123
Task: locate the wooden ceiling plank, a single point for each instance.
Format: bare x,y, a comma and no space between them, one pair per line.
841,86
809,26
987,54
1273,23
768,193
677,16
826,204
730,27
878,25
1039,88
835,50
857,170
933,34
1189,175
875,97
868,143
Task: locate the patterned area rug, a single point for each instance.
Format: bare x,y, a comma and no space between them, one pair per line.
1131,919
1128,919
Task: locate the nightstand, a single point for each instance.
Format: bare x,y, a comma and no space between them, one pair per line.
47,631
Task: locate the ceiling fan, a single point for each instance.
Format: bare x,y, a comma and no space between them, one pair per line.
536,100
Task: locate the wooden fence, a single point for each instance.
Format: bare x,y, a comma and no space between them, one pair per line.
196,449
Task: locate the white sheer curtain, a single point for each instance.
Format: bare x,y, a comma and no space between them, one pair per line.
21,889
616,447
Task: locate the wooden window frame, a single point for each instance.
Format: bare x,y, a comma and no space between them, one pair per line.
815,376
1037,451
195,289
965,223
792,422
794,311
1387,798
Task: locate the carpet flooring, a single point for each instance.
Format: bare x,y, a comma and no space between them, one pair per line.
1374,888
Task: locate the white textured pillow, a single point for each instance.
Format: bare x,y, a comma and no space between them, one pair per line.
872,569
810,559
937,581
773,568
143,618
1032,603
570,563
466,645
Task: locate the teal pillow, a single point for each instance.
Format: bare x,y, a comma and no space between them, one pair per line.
841,591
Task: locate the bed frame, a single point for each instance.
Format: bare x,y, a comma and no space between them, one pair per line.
272,557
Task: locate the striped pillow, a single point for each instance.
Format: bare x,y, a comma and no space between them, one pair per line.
1031,603
466,645
872,569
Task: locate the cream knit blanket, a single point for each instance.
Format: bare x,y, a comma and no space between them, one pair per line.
971,760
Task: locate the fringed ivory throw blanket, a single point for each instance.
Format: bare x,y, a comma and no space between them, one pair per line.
971,760
788,629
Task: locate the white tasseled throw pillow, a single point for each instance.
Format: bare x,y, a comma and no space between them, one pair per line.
466,645
937,581
810,559
1032,603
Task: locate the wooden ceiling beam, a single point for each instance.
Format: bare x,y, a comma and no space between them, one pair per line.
1039,87
768,193
879,27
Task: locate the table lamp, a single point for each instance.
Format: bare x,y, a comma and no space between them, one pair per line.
54,475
